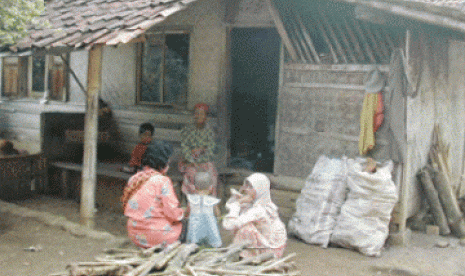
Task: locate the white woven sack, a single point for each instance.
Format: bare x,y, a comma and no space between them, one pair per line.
363,223
319,202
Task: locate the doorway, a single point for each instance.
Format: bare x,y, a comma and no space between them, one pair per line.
255,56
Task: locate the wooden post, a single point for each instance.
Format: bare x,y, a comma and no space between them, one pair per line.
281,30
89,170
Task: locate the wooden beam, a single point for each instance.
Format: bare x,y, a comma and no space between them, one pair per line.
281,30
301,41
353,38
339,48
378,46
350,51
298,46
423,16
308,38
365,42
326,39
89,171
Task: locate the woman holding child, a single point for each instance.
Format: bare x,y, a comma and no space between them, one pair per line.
150,202
197,145
254,218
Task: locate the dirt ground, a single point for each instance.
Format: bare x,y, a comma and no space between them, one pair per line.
46,225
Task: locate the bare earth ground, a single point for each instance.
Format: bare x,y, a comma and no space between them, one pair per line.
58,245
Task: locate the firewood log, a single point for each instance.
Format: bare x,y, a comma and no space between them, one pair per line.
449,204
180,259
256,259
154,261
433,201
232,249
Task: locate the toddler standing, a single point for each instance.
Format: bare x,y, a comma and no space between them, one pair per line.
202,226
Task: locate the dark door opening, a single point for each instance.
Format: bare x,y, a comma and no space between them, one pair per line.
255,55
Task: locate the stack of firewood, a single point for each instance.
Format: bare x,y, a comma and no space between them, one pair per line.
441,197
181,259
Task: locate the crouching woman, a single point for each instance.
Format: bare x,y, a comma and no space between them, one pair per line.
150,203
254,218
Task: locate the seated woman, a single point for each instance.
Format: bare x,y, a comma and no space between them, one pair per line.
254,218
197,145
150,202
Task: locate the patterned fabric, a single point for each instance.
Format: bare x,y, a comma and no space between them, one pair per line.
202,226
135,183
195,138
153,213
188,184
136,155
259,223
258,242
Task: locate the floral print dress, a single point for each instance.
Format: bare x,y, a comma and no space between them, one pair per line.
258,224
153,212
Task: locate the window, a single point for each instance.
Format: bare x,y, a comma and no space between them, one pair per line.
163,69
34,77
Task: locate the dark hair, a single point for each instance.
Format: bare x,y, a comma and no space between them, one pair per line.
146,127
157,155
154,163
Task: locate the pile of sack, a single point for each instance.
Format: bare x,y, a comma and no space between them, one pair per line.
345,205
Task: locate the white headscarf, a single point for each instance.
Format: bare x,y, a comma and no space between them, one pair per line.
261,185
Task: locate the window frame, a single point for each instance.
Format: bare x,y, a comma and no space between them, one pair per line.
25,78
139,64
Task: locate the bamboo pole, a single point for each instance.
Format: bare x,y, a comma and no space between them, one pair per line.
89,171
339,48
281,30
308,38
304,46
327,40
388,38
350,52
365,42
381,40
353,38
297,46
377,47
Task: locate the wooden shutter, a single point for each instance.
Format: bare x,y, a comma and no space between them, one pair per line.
10,77
57,81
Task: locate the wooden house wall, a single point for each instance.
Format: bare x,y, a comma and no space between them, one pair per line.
319,114
206,80
439,63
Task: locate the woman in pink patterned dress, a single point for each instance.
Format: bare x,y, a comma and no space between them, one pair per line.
254,218
150,203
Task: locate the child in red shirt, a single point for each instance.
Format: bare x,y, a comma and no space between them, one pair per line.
146,131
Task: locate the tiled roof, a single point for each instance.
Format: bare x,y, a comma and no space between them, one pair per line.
83,23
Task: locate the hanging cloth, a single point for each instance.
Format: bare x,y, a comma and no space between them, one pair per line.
372,115
379,114
367,132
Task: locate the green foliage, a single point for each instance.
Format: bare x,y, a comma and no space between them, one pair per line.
15,18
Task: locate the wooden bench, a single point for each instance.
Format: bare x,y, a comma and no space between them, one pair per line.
103,169
21,175
70,171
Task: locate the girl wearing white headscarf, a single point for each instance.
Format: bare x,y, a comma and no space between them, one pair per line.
254,218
